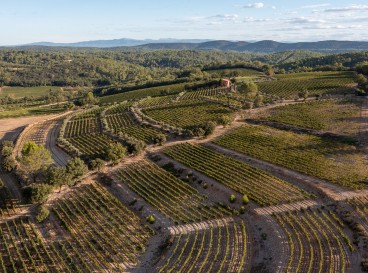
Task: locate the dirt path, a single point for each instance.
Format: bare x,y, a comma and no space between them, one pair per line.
286,207
44,132
11,126
14,125
59,156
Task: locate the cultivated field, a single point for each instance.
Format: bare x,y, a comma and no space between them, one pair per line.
20,92
188,114
171,196
261,187
278,188
340,116
317,83
335,161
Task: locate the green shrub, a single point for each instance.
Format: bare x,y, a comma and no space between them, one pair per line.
9,164
43,214
37,193
159,139
242,209
151,219
232,198
245,199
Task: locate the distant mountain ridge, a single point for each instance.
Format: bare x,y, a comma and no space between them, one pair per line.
266,46
117,42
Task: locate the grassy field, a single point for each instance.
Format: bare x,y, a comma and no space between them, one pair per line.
289,85
20,92
338,116
142,93
333,161
31,111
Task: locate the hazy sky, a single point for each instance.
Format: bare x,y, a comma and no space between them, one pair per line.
25,21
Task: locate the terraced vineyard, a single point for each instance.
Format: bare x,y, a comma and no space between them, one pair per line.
230,100
22,250
93,145
188,114
83,132
156,101
220,247
102,235
316,241
82,126
360,205
340,116
105,233
289,85
195,95
121,120
171,196
145,92
260,186
335,161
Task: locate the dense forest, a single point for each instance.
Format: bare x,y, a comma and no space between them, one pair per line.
54,66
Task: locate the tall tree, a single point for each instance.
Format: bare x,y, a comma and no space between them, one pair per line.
268,70
250,89
34,159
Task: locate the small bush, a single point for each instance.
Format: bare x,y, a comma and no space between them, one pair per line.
232,198
245,199
151,219
43,214
242,209
159,139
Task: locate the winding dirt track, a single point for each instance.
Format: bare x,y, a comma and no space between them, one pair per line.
59,156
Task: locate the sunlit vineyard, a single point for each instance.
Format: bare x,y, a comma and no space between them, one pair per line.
229,100
335,161
142,93
340,116
317,83
198,94
107,234
171,196
120,119
92,145
360,206
156,101
221,246
260,186
188,114
316,241
173,161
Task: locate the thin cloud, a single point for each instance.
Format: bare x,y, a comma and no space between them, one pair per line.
304,20
315,6
254,6
348,8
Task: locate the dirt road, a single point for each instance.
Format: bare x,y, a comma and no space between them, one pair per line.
10,128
